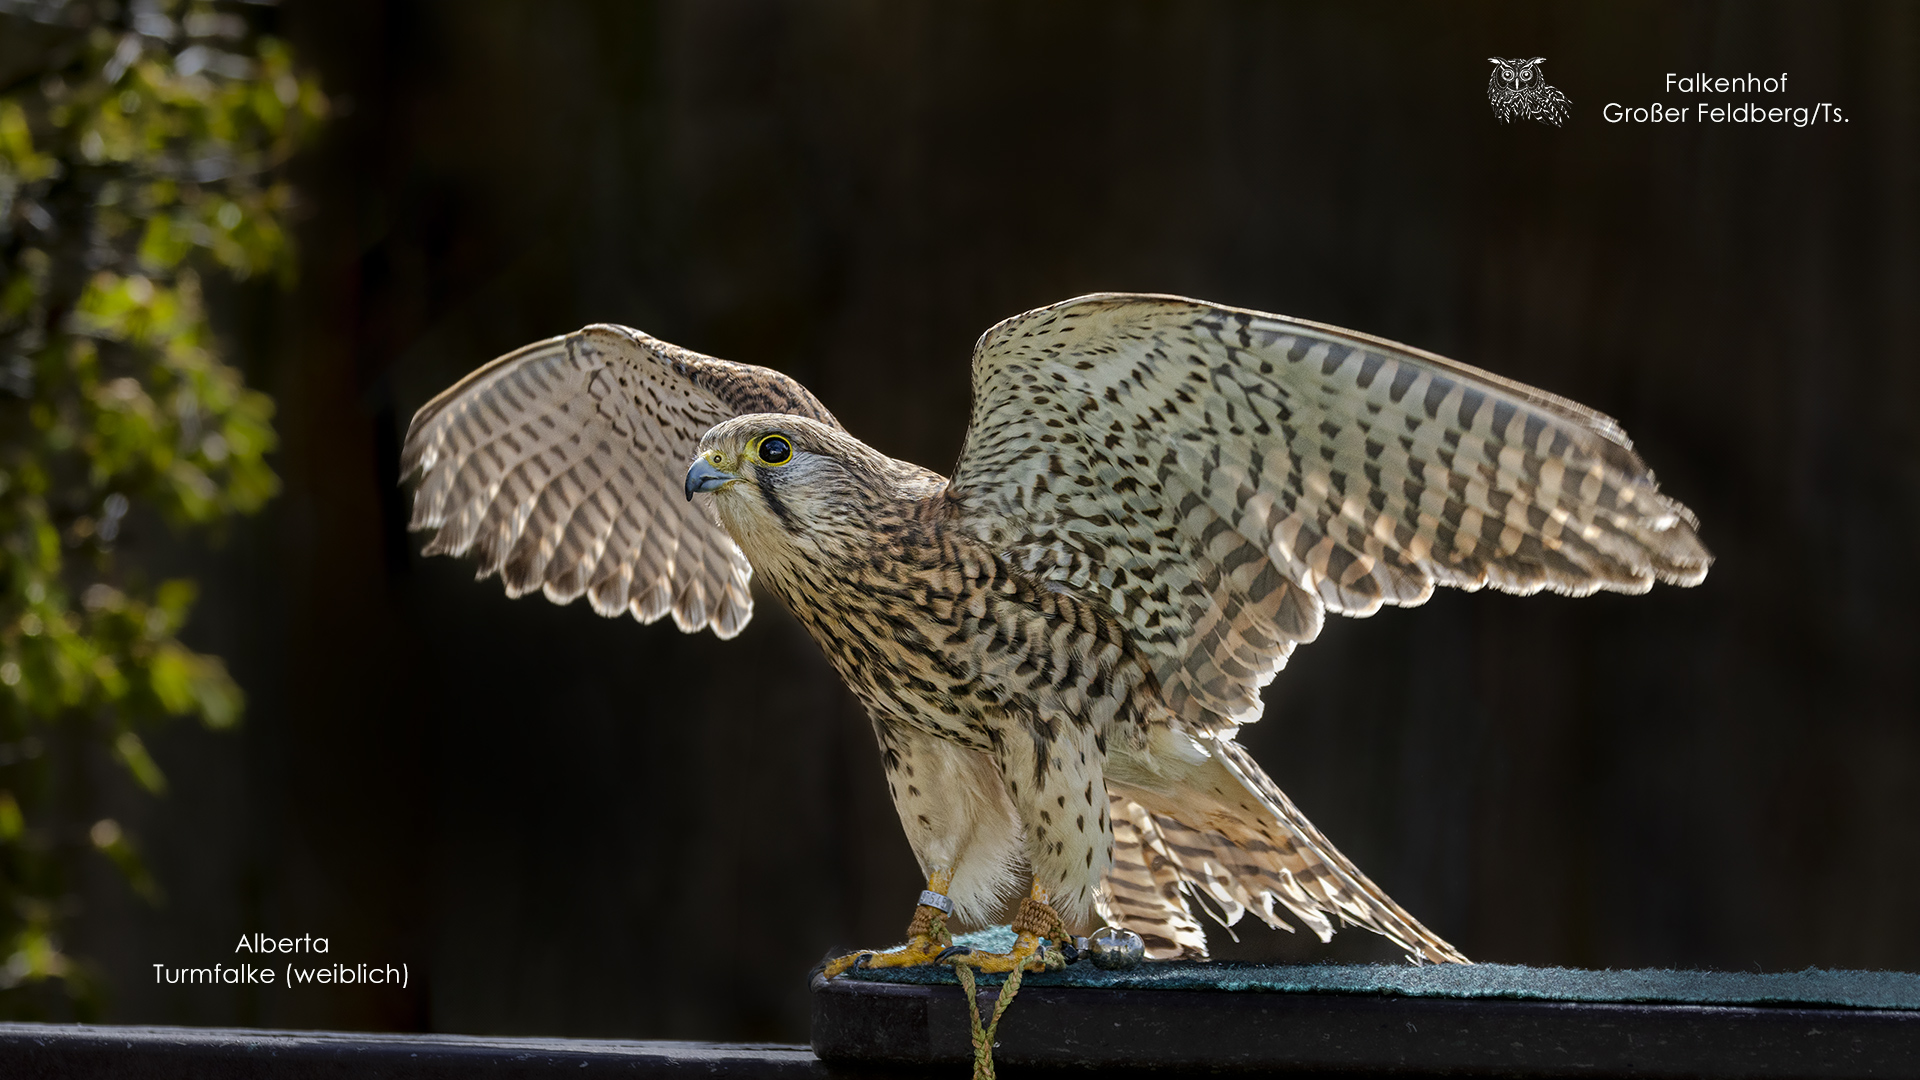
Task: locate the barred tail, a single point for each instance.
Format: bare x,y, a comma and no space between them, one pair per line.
1142,890
1224,830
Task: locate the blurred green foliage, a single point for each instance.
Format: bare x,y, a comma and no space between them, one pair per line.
141,146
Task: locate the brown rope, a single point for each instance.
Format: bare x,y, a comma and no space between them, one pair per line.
1040,920
930,922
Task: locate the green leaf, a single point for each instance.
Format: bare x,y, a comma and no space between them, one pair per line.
131,752
13,824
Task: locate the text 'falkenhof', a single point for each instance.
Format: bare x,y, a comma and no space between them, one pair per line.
1724,112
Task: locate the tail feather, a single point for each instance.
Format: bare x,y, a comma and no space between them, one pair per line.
1231,835
1142,891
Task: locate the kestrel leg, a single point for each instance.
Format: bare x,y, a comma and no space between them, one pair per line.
1052,769
963,831
927,935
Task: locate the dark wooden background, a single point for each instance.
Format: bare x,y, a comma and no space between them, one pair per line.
570,825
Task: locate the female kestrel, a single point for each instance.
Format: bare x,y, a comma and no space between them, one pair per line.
1158,499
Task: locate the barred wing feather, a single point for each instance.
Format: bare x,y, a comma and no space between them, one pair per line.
1223,477
560,466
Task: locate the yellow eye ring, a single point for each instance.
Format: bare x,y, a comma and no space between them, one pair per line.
775,450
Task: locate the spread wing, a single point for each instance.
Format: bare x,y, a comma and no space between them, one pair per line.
1223,477
562,466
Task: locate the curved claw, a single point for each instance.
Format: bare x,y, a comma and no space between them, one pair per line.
912,954
1029,953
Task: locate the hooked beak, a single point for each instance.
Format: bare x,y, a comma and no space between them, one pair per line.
704,477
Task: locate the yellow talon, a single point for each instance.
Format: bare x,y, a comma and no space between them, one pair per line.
1026,954
919,950
1037,923
927,938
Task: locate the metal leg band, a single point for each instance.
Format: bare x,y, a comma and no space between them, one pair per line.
929,898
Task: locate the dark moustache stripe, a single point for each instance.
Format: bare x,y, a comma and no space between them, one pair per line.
770,492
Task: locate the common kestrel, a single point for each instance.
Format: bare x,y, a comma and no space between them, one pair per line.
1157,500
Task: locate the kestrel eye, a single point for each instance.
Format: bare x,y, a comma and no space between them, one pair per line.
775,450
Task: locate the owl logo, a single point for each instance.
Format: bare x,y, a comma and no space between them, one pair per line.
1517,91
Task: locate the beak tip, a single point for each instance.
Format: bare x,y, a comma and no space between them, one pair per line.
702,476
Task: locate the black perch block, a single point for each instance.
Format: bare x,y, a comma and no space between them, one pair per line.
1484,1019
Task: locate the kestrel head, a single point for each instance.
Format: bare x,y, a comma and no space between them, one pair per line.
782,483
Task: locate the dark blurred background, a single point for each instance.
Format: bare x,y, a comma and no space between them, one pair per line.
568,825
